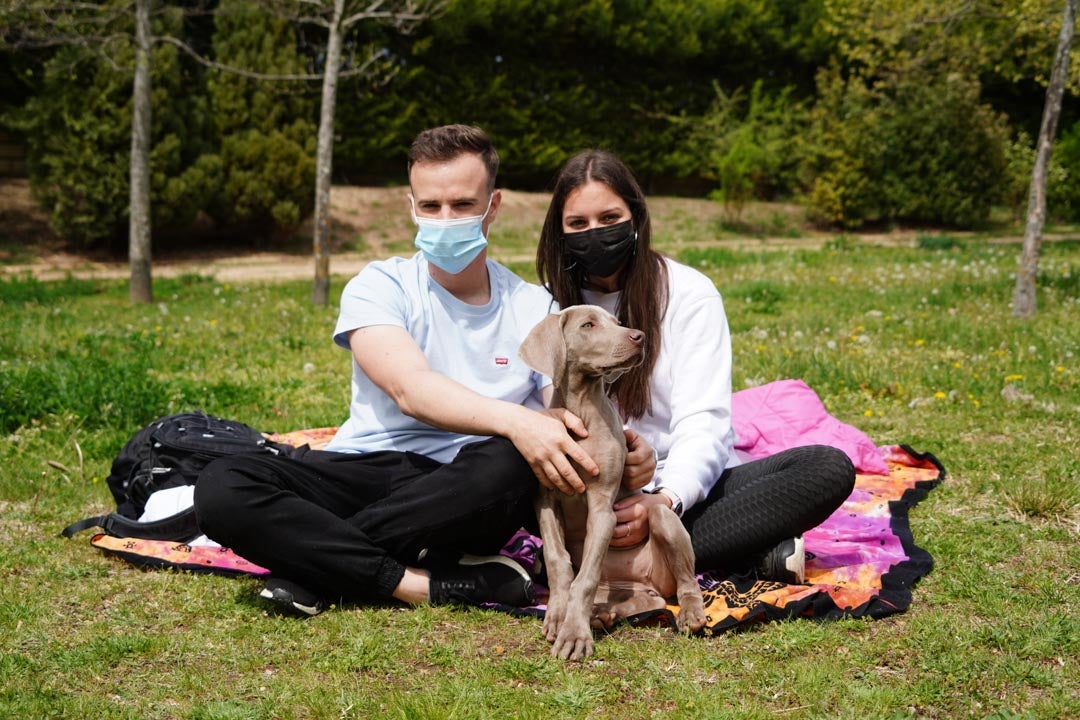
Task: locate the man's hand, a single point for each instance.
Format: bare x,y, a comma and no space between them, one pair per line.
395,363
640,462
632,518
546,445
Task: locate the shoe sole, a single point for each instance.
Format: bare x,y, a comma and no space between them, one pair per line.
791,569
796,562
285,600
501,559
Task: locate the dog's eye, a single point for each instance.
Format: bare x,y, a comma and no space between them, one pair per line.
586,325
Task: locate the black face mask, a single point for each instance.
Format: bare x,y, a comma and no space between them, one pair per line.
603,250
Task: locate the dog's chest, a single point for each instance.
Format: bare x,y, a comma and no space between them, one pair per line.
608,453
604,443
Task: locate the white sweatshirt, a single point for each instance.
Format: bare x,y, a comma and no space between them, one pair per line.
690,424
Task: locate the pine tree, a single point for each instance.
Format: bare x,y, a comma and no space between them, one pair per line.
78,128
265,132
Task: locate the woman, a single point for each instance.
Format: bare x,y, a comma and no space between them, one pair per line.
595,248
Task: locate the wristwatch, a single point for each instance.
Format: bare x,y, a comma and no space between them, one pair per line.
676,501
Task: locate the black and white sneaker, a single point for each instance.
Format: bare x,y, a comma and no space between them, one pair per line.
292,598
785,563
480,579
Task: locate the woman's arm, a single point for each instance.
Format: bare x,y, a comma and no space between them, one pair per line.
698,392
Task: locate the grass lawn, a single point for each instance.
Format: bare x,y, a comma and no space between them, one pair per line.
912,342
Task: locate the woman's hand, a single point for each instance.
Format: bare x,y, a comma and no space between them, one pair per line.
640,461
632,518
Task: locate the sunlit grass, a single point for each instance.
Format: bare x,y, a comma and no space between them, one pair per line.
913,344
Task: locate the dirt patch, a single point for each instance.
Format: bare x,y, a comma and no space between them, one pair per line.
24,227
28,244
366,221
372,223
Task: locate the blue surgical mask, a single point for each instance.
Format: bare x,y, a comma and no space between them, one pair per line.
451,245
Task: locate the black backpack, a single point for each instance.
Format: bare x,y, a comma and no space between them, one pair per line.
169,452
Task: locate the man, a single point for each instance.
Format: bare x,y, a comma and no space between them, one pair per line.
446,435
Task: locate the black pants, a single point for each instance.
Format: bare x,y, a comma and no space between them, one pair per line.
755,506
345,525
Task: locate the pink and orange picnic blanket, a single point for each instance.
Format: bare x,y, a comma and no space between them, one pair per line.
861,562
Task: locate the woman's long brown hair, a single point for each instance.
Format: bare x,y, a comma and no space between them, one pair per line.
644,279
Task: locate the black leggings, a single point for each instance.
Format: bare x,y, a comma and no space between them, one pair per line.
759,504
345,525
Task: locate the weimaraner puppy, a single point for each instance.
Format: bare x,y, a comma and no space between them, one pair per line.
582,348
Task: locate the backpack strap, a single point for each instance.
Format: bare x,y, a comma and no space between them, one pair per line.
182,526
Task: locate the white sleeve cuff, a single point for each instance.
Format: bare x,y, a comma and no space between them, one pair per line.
676,501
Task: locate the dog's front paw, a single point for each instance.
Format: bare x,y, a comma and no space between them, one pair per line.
575,640
553,619
691,613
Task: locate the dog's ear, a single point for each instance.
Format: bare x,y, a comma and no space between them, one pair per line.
544,348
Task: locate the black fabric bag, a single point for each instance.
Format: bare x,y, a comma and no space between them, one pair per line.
167,453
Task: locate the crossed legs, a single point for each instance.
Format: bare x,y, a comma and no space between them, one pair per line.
347,525
755,506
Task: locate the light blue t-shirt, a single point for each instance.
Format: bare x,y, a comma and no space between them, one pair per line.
476,345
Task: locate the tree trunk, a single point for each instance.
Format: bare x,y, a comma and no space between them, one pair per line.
141,289
324,159
1024,299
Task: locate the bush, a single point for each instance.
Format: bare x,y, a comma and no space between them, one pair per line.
547,78
914,149
268,180
78,129
1019,159
750,148
1062,191
240,151
1063,185
267,138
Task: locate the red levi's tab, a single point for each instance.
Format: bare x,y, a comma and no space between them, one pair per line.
502,361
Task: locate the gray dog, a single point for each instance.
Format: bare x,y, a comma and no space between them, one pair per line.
581,349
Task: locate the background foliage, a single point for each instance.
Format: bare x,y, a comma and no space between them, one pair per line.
914,150
77,123
869,112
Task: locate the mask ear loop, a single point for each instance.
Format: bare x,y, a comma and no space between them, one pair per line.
491,199
412,209
562,253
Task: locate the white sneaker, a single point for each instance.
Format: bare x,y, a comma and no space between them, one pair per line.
785,563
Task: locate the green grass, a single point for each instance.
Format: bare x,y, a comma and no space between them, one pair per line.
913,344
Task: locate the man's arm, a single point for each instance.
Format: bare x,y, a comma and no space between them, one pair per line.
390,357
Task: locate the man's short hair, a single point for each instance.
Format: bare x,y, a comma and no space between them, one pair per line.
442,144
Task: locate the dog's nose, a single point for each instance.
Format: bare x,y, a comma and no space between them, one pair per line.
636,336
